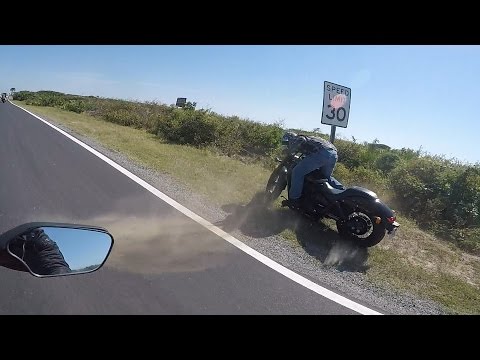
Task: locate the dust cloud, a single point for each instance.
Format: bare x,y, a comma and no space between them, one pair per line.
150,241
155,245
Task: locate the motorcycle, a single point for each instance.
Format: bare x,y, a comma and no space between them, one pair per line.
359,214
81,249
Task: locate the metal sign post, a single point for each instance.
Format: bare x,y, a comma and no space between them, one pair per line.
332,133
336,106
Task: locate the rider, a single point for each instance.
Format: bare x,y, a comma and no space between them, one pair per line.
40,253
319,154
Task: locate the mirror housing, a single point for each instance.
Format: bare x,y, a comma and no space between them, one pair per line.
56,249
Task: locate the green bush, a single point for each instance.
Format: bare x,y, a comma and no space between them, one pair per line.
406,154
229,136
23,95
387,161
257,138
349,153
78,106
463,208
343,174
188,127
433,190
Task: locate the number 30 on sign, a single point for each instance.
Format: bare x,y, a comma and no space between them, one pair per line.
336,104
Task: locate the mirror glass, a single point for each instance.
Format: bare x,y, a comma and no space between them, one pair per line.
54,251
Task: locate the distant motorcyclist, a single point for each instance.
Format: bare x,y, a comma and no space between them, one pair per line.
319,154
40,253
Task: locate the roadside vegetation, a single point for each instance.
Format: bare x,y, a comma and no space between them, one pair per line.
430,193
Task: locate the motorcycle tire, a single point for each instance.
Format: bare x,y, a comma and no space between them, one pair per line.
376,235
275,185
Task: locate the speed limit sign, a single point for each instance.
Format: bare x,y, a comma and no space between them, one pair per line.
336,104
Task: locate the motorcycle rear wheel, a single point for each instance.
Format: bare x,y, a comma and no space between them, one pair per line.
361,229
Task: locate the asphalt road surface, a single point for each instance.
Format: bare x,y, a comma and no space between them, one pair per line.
162,262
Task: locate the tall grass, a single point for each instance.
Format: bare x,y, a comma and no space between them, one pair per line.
442,195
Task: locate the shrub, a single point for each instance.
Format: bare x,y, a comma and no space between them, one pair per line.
387,161
423,187
349,153
188,127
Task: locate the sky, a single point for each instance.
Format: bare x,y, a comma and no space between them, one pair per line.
80,248
404,96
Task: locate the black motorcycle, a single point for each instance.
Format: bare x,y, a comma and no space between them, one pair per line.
358,212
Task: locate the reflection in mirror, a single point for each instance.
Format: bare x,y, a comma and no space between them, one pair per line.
60,251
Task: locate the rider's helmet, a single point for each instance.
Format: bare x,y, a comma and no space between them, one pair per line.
287,137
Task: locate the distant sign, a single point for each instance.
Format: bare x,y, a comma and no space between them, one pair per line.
336,104
181,102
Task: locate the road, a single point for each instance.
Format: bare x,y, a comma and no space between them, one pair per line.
162,262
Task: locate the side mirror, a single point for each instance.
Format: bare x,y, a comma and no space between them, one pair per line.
49,249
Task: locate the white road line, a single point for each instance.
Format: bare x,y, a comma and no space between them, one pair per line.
227,237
